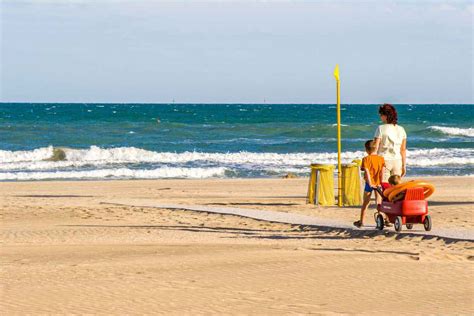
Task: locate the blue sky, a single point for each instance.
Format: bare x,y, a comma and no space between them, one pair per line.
236,51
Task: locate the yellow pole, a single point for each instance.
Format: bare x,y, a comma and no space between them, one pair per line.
338,109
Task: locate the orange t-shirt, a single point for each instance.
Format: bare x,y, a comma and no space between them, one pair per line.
374,164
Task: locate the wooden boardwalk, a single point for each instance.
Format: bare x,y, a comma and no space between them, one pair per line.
295,219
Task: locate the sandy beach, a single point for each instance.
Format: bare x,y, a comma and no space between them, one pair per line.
155,157
65,251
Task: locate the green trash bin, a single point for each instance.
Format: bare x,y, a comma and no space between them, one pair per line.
321,185
351,184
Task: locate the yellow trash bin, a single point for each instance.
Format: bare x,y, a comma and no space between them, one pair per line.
351,189
321,185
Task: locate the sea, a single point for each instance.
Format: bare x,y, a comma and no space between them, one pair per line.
50,141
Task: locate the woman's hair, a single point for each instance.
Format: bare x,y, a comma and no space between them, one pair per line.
389,111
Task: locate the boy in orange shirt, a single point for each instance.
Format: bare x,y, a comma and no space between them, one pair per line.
373,165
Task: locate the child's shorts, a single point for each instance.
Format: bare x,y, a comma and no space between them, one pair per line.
368,188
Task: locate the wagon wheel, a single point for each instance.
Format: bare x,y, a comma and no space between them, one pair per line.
409,226
427,223
398,224
379,221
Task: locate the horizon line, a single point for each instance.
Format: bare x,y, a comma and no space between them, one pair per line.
226,103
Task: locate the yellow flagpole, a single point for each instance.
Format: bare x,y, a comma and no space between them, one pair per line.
338,109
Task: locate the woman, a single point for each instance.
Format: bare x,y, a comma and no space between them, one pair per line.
391,141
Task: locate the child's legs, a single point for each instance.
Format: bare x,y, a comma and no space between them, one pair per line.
365,204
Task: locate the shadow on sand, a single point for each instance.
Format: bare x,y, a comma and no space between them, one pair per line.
441,203
254,203
296,233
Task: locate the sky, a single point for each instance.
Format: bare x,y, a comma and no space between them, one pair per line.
119,51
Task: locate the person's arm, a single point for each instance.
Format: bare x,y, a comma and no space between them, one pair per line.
364,168
367,177
377,144
377,137
403,152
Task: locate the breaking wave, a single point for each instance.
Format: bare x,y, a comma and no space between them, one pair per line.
454,131
131,162
161,173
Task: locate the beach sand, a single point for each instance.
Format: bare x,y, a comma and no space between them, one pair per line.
64,251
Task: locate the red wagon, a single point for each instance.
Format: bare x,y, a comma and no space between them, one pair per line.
413,209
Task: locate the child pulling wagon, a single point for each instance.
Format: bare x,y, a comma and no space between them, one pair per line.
373,167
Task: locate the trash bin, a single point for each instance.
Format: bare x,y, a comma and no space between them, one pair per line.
321,185
351,189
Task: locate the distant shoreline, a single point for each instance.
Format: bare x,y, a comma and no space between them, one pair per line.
210,179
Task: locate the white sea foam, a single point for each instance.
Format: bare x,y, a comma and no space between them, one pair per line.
30,155
440,157
96,162
165,172
94,155
454,131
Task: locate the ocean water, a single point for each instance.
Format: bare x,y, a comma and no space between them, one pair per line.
151,141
